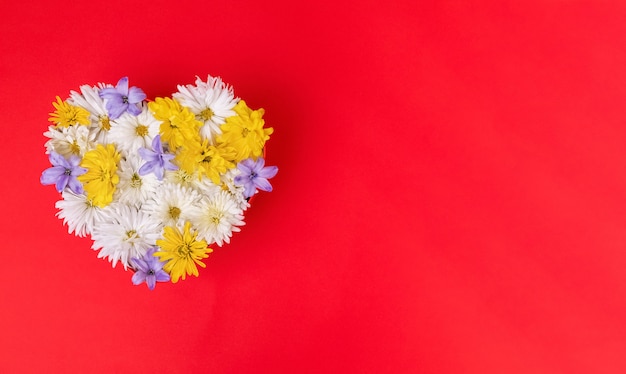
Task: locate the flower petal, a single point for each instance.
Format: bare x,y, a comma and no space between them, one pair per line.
136,95
138,278
268,172
133,109
116,109
122,86
62,182
140,264
151,281
162,276
75,185
57,160
249,189
146,168
51,175
263,184
109,93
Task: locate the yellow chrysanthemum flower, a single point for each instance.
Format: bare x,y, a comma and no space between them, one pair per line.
178,123
206,159
101,177
67,114
182,251
245,132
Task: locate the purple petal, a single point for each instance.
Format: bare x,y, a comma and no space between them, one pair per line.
263,184
62,182
260,162
138,278
245,169
57,160
116,110
148,155
140,264
249,189
151,280
136,95
77,170
241,179
158,171
109,93
248,163
122,86
156,144
162,276
134,109
74,161
268,172
146,168
75,186
50,175
169,166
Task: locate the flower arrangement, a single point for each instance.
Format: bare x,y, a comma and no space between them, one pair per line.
156,183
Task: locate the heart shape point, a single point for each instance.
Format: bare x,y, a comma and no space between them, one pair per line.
156,183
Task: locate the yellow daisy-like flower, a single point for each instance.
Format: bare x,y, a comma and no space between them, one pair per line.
101,177
245,132
178,123
182,251
67,114
206,159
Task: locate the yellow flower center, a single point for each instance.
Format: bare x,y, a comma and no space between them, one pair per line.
245,132
75,148
174,212
142,130
135,181
184,250
104,122
206,114
131,234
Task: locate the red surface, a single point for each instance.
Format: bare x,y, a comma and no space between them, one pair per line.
451,195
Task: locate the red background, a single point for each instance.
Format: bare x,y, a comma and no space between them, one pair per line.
451,195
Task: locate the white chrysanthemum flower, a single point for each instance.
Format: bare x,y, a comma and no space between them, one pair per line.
183,178
78,213
90,99
131,132
124,233
205,187
71,140
211,101
135,189
172,205
219,216
235,190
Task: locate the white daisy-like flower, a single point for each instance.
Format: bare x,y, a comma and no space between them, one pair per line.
219,216
71,140
125,233
134,189
172,205
183,178
235,190
131,132
211,101
89,98
78,213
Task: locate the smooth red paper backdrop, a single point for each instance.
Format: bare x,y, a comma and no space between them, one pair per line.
450,197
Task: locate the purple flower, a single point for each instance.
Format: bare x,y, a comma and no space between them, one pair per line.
157,161
63,173
149,269
121,99
254,175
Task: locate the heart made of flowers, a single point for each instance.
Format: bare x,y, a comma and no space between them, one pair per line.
156,183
